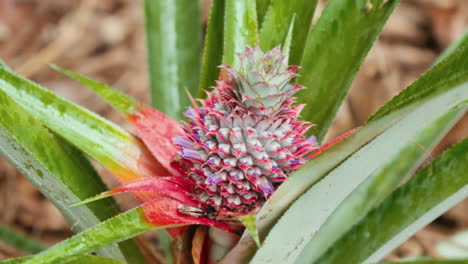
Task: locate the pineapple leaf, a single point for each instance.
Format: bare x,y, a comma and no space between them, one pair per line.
105,142
213,50
314,170
452,48
240,29
118,228
379,185
250,223
286,47
277,23
58,170
80,260
329,158
120,101
262,7
450,72
173,34
334,51
296,227
154,128
431,192
19,241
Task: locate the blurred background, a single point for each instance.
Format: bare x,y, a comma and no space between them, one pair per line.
104,39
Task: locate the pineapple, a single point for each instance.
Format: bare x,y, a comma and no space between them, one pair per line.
244,140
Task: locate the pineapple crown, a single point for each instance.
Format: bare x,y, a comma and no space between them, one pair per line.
262,84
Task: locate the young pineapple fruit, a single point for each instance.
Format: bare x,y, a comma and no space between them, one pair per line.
244,140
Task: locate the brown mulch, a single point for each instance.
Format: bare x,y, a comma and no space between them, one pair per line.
105,40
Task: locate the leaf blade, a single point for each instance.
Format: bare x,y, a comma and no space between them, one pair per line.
240,29
380,184
20,241
278,20
105,142
438,184
213,50
45,161
116,229
334,50
173,35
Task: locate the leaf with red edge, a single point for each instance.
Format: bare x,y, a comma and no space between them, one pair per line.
168,212
332,142
173,187
154,128
157,130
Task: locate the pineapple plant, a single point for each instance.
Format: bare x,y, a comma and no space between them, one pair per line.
246,160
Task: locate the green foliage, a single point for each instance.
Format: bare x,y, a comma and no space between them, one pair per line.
262,7
116,229
316,169
173,35
379,185
428,194
277,22
120,101
213,51
240,29
20,241
60,172
334,51
102,140
297,225
450,72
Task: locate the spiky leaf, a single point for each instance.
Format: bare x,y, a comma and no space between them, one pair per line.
334,51
19,241
213,51
173,34
240,29
105,142
277,23
379,185
58,170
428,194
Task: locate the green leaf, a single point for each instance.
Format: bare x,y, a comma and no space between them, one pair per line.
334,51
333,189
105,142
250,223
173,34
120,101
58,170
452,48
412,98
450,72
444,78
79,260
213,51
19,241
262,7
277,22
379,185
427,195
240,29
118,228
